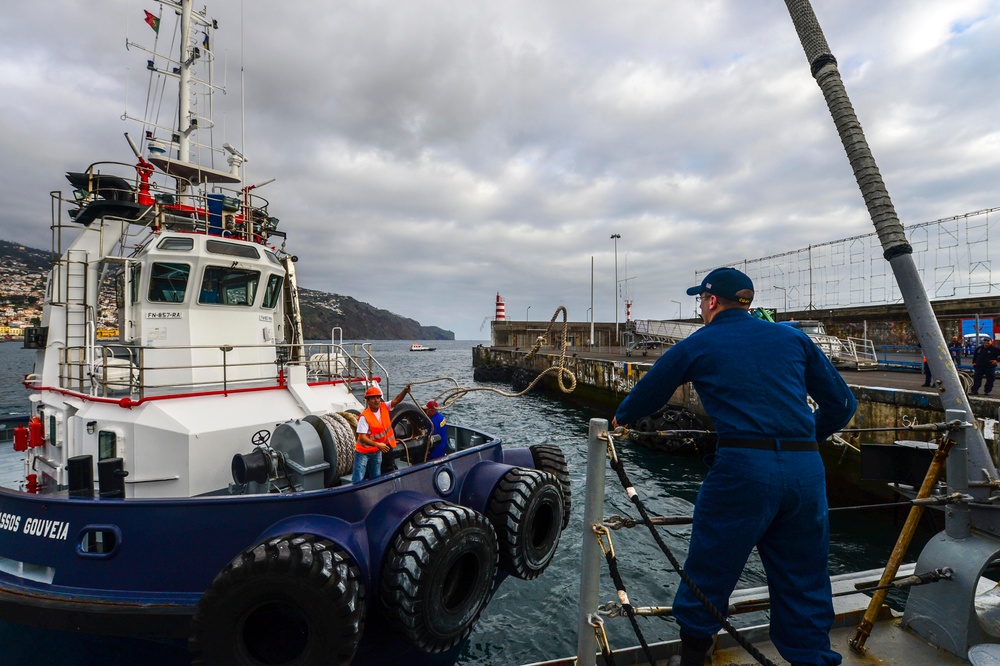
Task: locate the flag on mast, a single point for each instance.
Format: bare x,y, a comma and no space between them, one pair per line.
153,21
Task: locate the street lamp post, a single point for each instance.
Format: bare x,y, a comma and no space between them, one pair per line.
785,293
526,317
590,320
678,308
591,301
615,238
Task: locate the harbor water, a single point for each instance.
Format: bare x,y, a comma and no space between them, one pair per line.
526,621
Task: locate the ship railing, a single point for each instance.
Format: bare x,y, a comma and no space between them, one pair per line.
216,210
139,372
340,360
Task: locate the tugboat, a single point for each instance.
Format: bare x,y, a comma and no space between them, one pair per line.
416,346
191,480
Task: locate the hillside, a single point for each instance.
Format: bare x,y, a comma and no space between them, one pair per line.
360,321
23,272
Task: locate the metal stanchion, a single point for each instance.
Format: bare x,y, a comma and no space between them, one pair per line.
590,570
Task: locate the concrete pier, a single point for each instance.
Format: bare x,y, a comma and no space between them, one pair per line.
885,400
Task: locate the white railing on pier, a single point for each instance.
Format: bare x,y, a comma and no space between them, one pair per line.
670,331
861,353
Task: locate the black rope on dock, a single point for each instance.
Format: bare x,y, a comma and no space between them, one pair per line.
619,468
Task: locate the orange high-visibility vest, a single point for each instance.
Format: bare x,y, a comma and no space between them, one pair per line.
376,429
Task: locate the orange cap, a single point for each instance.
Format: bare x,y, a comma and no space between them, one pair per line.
373,390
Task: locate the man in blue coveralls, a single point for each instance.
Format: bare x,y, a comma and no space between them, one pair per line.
440,429
767,485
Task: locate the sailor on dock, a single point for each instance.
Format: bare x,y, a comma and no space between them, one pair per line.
766,486
984,364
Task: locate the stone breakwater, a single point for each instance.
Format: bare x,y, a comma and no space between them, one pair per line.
604,379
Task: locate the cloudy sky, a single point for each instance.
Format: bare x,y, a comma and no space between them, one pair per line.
431,153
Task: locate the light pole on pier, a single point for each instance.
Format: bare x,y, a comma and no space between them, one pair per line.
591,300
590,320
785,293
679,316
526,318
615,238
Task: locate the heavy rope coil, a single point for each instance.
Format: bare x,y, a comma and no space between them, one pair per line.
565,379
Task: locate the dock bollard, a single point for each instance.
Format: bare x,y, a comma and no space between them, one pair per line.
590,569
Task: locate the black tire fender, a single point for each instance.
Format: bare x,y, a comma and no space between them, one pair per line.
437,576
550,458
526,510
406,418
294,599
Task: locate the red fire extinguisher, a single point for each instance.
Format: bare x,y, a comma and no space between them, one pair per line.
35,436
20,438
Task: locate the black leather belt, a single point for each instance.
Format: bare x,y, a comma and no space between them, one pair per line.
768,444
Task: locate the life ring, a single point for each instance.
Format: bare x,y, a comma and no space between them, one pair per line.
526,511
438,575
550,458
294,599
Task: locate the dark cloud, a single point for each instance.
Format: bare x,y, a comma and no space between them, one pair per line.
431,154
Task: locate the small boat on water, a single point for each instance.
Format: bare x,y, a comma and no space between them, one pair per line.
416,346
191,480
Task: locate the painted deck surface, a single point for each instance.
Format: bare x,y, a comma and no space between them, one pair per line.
888,645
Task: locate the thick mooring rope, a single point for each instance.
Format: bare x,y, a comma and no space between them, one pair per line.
450,396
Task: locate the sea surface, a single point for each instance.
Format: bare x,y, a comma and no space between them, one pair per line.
530,621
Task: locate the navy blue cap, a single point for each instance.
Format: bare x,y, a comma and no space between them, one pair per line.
724,283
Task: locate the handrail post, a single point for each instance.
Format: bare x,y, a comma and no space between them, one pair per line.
590,569
959,518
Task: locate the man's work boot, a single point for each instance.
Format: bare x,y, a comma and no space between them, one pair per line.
693,651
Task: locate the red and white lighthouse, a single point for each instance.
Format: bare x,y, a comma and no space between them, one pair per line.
501,308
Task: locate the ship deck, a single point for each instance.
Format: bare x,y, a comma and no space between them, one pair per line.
888,645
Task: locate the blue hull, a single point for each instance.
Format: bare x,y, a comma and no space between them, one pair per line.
162,555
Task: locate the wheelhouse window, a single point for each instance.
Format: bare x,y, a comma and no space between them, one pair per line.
273,291
175,244
107,445
232,249
168,282
229,286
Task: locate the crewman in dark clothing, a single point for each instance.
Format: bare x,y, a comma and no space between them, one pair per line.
766,486
984,364
955,349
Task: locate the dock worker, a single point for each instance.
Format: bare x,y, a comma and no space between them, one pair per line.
766,486
440,429
984,366
375,435
955,349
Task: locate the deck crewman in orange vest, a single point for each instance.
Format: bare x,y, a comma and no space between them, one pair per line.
375,435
